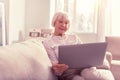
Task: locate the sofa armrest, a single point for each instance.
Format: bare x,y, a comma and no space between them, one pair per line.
109,57
107,61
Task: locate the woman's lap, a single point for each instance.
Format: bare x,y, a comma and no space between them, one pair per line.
97,74
70,74
87,74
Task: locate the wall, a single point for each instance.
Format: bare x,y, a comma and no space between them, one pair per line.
15,16
1,0
22,15
37,14
0,35
2,23
0,29
6,2
16,20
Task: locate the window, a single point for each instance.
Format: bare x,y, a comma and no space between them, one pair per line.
82,13
115,17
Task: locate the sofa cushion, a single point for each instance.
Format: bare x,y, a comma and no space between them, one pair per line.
97,74
26,60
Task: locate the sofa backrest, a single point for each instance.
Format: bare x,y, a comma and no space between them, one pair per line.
26,60
113,46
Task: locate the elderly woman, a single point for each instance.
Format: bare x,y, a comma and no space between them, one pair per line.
61,24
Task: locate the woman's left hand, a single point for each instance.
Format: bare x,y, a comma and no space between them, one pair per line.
60,68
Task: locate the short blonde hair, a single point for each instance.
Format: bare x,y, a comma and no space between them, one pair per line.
58,14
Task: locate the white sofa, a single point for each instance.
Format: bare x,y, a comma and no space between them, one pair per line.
27,60
114,48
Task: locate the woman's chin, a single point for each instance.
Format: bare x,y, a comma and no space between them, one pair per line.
62,31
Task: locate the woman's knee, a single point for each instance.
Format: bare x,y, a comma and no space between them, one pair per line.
96,74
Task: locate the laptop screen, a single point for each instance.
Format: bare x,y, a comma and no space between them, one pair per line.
82,55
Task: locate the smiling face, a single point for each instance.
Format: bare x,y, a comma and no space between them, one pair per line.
61,24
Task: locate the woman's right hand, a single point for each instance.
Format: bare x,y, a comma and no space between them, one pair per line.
59,68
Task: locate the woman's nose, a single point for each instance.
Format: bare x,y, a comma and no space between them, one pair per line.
63,24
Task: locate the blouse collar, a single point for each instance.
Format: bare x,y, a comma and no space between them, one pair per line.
59,37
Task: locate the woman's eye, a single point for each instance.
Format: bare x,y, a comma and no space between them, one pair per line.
66,22
63,22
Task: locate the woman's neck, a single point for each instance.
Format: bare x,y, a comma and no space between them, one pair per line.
59,34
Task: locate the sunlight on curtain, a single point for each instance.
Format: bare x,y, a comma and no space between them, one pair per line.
113,18
101,21
82,13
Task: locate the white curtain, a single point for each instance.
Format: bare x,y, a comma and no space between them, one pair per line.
102,15
103,19
113,18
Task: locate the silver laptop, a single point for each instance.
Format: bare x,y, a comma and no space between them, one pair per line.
82,55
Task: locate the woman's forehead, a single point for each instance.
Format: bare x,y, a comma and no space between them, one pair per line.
62,17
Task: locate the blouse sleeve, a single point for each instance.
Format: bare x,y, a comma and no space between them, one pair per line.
50,52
